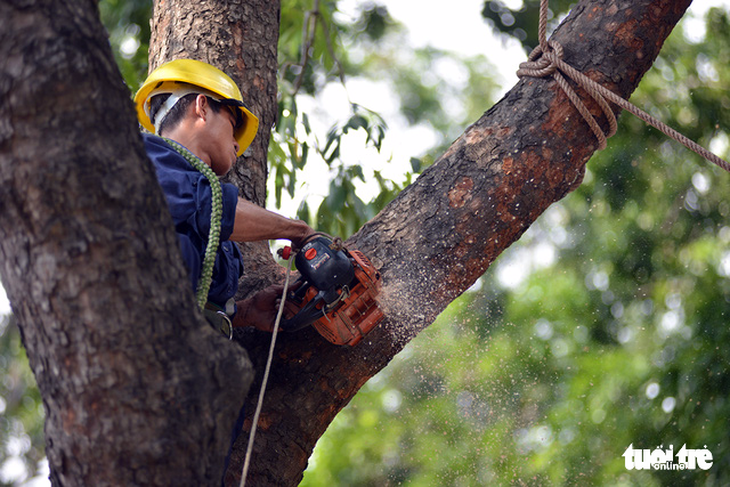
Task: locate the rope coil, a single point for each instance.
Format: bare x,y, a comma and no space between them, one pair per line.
547,60
216,215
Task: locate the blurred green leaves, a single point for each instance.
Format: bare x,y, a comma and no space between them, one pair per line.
21,410
520,19
436,90
128,24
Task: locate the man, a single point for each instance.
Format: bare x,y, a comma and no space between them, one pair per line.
201,125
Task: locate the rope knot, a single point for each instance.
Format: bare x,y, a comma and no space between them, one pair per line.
543,60
547,60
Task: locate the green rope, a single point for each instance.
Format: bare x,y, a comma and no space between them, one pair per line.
216,215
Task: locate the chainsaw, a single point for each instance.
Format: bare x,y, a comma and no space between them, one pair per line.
337,292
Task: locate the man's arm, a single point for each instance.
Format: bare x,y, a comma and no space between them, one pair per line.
255,223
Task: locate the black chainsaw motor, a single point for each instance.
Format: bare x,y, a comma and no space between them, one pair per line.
324,271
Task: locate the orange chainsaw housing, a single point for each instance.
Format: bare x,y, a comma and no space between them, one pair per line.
358,313
355,312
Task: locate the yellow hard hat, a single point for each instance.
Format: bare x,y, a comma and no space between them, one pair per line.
184,76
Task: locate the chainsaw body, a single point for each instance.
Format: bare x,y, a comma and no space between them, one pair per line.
337,293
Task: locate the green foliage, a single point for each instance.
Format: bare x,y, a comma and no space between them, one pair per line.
342,212
310,52
21,410
324,49
520,22
128,23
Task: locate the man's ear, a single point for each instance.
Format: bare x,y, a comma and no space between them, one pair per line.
201,106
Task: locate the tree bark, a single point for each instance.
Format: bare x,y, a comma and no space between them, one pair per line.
137,389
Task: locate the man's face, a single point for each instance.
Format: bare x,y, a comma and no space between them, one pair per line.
222,145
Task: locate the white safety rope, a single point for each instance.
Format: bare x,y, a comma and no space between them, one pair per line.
252,434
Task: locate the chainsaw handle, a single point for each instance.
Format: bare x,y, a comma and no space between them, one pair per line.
305,316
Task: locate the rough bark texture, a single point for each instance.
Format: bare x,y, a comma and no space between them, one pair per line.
137,389
241,39
442,232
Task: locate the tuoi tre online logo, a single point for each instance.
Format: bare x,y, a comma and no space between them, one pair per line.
658,459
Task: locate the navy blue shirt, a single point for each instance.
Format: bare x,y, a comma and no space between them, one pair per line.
189,198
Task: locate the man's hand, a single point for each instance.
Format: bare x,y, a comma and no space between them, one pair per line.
260,310
301,234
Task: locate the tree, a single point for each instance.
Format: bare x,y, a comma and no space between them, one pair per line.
479,198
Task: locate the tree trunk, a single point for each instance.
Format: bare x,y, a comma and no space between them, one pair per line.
137,389
123,361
